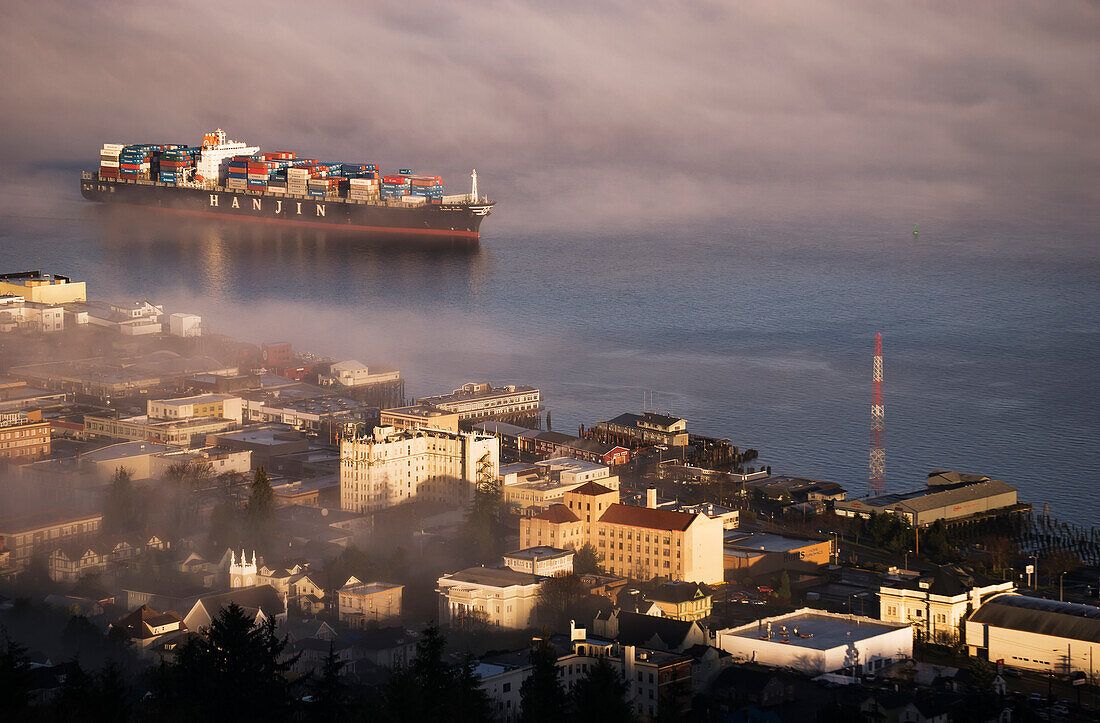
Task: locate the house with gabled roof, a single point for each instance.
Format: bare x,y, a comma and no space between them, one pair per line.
145,627
260,603
649,631
682,600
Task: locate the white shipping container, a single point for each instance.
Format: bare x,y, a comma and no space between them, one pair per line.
108,164
113,146
413,200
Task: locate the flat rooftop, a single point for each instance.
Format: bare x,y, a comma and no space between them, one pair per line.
492,577
196,399
422,411
816,630
36,520
568,464
123,450
265,435
764,541
542,552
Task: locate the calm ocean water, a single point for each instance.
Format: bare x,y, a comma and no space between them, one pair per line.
762,333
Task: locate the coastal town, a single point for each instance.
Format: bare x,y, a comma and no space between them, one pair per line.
164,488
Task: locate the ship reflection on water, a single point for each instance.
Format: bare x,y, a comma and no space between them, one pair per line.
237,261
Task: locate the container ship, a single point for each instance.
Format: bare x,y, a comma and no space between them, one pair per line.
230,180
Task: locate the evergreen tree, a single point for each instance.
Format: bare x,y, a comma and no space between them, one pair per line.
482,519
542,695
471,702
14,676
111,695
120,510
600,696
75,694
328,693
430,689
784,591
587,560
234,670
261,507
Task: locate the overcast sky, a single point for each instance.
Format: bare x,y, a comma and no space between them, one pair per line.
688,111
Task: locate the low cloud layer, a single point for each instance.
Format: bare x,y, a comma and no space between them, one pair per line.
600,111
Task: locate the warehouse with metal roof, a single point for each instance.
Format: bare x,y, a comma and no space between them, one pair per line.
1037,634
941,499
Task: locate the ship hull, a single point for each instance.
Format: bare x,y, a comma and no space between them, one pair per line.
447,223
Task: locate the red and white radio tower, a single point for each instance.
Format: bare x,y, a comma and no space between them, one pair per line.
877,479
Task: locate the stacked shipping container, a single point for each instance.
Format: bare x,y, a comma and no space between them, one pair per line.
108,160
272,172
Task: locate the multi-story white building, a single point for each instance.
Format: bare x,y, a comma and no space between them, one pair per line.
388,467
638,542
545,561
482,400
498,595
936,605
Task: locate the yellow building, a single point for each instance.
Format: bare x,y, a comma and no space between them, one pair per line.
687,601
220,406
638,542
34,286
360,603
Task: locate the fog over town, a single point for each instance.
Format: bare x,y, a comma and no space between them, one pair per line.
751,376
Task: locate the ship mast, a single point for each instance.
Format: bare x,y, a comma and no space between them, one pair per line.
473,188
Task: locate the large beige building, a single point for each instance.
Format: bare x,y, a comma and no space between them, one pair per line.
637,542
389,467
499,595
177,433
483,401
1047,636
936,605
